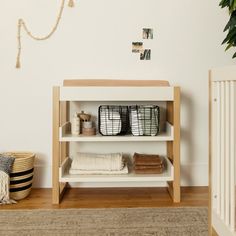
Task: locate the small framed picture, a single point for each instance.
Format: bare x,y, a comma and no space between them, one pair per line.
137,47
147,33
145,54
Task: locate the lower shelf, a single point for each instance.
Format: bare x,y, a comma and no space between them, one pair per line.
64,176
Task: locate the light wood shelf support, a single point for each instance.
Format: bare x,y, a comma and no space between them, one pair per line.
173,147
60,150
56,146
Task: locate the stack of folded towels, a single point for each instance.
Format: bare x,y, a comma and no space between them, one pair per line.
92,163
148,164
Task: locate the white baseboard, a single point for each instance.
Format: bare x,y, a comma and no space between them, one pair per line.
191,175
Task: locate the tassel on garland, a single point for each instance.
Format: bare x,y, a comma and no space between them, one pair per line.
18,63
71,3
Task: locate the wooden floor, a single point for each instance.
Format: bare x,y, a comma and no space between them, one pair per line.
115,197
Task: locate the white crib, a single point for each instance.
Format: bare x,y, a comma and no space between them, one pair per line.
222,141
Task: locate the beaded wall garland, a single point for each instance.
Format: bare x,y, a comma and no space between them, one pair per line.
22,25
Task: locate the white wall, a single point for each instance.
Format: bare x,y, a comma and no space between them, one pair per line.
94,41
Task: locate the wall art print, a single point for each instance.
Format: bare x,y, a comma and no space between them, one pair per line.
138,46
147,33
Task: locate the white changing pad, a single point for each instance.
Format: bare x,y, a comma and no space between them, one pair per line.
99,172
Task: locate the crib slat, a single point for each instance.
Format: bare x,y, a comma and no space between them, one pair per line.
222,153
218,146
227,147
232,156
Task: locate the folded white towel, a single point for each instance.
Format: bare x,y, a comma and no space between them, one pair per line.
93,161
100,172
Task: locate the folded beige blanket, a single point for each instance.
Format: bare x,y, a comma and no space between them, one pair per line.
100,172
95,161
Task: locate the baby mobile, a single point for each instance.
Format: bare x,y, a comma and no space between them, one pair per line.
22,26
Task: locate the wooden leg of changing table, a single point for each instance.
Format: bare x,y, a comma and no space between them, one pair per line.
173,147
64,146
56,147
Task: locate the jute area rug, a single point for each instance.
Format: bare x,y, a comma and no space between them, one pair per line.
105,222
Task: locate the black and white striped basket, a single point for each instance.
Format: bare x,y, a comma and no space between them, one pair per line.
21,177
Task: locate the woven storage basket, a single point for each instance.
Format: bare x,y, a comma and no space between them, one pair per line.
113,120
21,177
145,120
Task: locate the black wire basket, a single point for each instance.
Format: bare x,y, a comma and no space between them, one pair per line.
113,120
145,120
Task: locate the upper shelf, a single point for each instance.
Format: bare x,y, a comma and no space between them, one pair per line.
65,136
90,93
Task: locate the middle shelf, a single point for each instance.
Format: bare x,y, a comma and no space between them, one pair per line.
65,136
